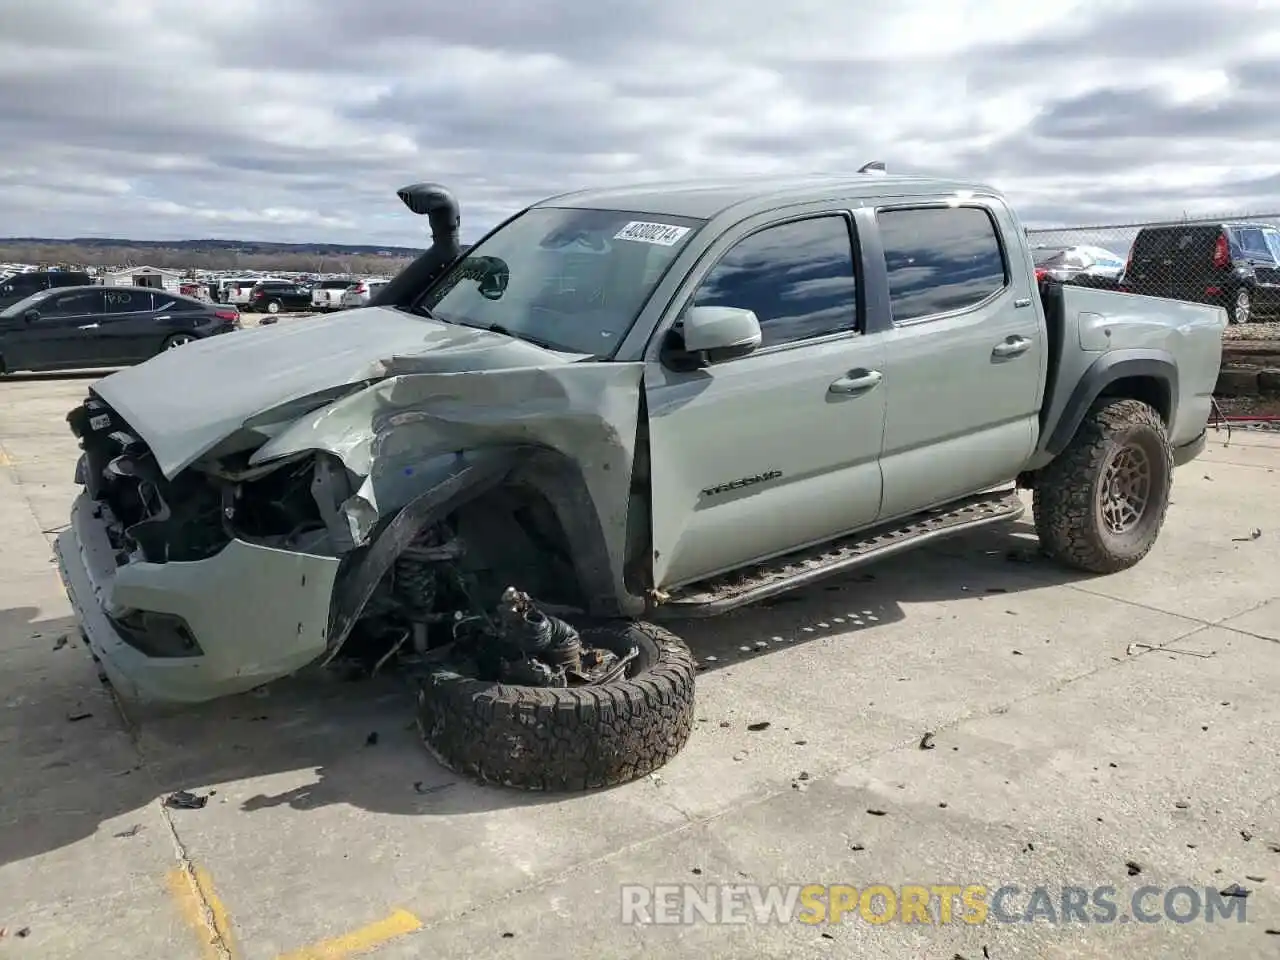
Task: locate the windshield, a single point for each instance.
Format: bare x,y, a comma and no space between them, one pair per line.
23,305
570,280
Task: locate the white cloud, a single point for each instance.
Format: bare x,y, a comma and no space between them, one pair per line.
298,119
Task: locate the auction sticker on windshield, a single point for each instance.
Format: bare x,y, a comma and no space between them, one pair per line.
663,234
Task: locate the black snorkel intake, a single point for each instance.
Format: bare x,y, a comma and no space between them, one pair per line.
440,208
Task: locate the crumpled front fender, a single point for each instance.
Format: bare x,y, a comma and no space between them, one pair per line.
458,480
574,426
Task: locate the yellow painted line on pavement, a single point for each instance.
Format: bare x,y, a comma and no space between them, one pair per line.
196,899
363,940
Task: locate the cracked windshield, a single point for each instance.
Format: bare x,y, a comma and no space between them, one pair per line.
566,279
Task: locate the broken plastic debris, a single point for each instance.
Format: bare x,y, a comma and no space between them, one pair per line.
185,800
926,742
1235,890
1254,534
757,727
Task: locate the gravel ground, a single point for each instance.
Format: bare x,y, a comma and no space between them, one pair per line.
1253,331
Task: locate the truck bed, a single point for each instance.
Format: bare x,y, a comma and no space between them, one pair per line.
1167,349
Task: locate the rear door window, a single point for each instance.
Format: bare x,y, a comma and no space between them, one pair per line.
127,301
940,259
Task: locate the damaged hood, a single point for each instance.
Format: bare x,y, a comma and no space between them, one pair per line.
396,398
184,402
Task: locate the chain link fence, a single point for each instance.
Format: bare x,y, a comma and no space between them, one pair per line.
1229,261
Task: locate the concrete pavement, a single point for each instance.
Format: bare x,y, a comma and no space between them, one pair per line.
1079,723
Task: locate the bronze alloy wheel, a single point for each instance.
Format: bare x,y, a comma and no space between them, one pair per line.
1100,504
1125,489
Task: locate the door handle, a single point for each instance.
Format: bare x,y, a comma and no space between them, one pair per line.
89,326
856,381
1013,347
165,317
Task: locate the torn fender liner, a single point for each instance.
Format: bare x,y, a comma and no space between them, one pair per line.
185,402
473,474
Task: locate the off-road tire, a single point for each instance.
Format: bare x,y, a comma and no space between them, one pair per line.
560,739
1068,492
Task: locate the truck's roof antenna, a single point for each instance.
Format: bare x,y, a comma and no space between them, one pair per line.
875,167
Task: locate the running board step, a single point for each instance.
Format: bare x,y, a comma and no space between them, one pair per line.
803,567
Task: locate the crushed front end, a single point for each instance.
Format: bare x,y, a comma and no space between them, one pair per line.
188,589
231,573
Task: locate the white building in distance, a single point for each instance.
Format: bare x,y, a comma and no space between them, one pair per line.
155,277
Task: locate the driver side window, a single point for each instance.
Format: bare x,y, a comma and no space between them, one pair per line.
798,278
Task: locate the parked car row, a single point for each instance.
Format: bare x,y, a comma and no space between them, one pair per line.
1231,264
68,328
277,294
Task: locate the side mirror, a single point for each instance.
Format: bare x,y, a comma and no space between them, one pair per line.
721,333
32,315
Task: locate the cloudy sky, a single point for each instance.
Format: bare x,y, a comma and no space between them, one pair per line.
296,120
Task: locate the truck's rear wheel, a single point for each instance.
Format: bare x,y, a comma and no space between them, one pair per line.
566,738
1100,505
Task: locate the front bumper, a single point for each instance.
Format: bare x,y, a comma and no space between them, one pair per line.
257,613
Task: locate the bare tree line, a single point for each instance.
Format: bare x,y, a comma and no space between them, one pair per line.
72,255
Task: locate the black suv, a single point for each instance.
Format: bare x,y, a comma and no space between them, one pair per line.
272,296
1231,265
18,286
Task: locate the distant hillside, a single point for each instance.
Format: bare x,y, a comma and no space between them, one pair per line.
206,254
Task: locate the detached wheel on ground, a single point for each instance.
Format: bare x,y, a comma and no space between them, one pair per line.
1100,505
566,738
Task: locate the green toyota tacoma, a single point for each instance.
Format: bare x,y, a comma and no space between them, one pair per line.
619,406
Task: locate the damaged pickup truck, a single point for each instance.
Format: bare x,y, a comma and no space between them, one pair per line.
620,405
